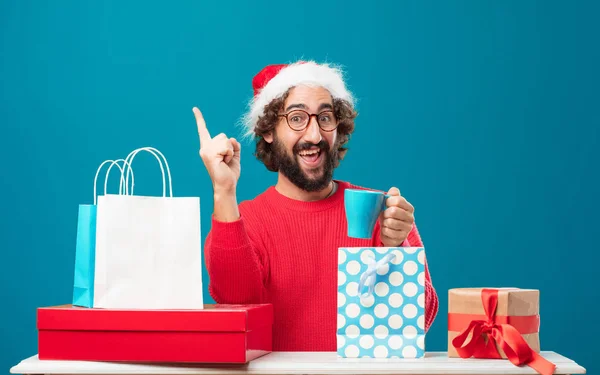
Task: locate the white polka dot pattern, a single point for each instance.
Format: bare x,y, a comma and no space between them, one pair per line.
383,270
367,301
409,311
352,310
341,341
410,289
380,351
366,342
421,257
395,342
352,289
395,321
410,268
410,332
352,332
367,321
381,310
341,257
381,332
396,278
352,351
421,342
382,289
353,268
396,300
390,322
409,351
366,255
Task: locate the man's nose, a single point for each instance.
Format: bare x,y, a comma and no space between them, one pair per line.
313,132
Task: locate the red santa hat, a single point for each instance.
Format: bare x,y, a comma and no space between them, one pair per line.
274,80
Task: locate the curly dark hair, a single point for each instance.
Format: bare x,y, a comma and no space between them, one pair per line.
344,113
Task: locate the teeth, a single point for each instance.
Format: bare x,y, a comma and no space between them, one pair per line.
309,152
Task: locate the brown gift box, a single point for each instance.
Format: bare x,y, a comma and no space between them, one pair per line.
465,304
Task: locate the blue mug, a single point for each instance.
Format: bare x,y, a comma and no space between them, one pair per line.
362,211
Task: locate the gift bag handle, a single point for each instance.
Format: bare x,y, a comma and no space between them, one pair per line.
153,151
122,179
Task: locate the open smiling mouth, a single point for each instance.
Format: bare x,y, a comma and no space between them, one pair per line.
311,157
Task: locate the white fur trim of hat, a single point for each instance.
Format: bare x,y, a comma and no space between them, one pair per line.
273,81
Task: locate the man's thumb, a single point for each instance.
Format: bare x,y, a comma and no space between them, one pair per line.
394,191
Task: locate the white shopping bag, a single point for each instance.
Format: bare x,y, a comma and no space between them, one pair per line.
148,252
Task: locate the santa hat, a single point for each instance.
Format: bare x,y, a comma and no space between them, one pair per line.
274,80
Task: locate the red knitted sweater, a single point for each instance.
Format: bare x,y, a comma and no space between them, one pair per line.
283,251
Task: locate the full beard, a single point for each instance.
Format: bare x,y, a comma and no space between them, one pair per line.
290,167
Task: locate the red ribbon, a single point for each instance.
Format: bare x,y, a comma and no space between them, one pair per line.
505,335
524,324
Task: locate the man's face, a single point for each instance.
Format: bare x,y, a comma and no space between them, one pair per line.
306,157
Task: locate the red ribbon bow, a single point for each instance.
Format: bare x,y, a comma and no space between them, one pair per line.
485,335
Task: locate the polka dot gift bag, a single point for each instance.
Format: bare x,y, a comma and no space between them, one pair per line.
381,302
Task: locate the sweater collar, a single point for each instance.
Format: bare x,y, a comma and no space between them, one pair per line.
277,199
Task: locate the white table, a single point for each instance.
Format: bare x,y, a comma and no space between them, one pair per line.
302,363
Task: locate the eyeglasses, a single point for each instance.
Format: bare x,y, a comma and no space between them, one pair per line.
298,120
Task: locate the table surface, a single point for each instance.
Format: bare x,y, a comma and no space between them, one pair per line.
295,363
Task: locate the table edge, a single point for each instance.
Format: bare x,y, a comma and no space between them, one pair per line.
23,368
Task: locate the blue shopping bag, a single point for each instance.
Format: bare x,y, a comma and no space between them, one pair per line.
381,302
85,246
85,249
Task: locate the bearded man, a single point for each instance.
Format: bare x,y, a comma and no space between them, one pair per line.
282,246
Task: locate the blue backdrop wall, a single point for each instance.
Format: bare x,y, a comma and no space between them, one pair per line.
485,115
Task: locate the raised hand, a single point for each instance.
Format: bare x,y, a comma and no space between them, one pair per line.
221,157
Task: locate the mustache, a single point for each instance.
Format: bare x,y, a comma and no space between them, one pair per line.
322,145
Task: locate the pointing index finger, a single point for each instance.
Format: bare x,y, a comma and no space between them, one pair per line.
202,130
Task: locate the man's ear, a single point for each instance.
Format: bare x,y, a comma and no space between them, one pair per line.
268,137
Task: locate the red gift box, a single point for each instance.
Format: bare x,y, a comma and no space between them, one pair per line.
216,334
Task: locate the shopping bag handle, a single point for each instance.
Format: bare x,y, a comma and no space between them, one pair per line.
153,151
122,179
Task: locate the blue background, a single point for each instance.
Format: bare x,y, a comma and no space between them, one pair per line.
485,114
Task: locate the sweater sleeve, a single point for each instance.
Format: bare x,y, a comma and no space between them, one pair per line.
431,297
236,263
